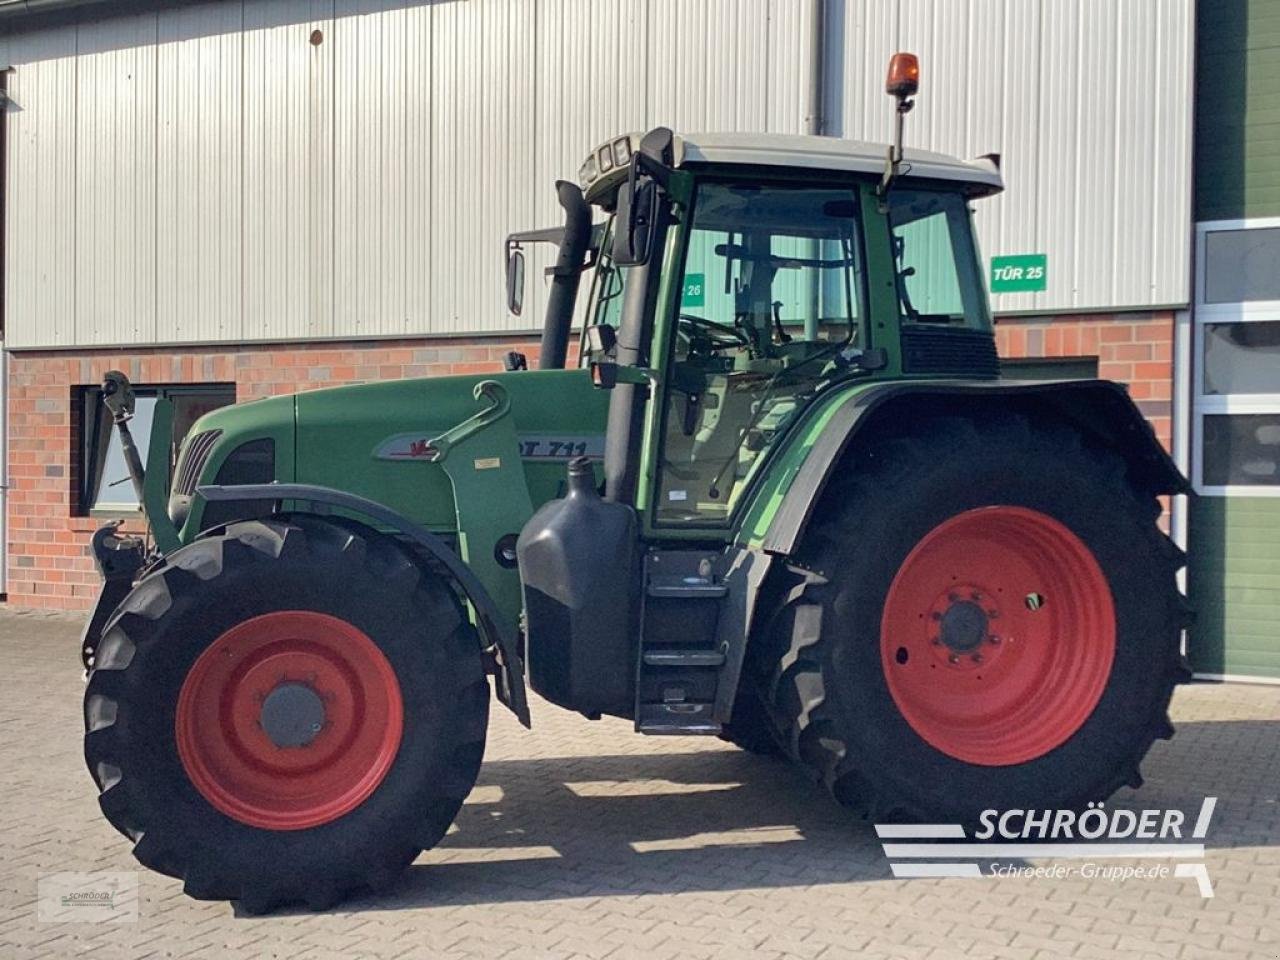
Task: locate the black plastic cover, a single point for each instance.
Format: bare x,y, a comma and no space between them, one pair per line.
580,577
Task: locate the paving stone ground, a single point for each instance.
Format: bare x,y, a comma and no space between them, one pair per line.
582,839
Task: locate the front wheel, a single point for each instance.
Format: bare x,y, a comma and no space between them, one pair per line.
287,711
985,617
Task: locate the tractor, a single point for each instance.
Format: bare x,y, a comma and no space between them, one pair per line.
784,498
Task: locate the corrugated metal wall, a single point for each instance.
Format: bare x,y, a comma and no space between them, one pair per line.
1089,103
207,173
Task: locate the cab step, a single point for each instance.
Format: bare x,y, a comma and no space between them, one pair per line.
691,589
677,719
683,658
680,657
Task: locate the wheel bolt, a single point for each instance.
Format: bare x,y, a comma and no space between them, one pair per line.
936,641
953,597
935,615
993,640
954,658
976,658
993,614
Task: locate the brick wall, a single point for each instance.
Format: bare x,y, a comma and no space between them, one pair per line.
1132,348
49,560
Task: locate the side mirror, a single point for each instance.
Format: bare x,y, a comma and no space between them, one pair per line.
636,214
515,282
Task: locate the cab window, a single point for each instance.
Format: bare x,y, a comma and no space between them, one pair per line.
608,290
937,273
770,303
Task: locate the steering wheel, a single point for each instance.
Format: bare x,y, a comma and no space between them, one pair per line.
720,336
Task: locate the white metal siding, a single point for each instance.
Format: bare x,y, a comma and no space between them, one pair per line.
207,174
1088,102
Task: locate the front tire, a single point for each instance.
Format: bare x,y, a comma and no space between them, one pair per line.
288,710
985,615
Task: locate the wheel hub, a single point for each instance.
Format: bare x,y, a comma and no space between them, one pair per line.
976,668
292,715
289,720
964,626
964,617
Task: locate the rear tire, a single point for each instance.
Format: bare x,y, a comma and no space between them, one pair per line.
836,669
353,757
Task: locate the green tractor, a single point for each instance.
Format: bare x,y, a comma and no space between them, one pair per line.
785,498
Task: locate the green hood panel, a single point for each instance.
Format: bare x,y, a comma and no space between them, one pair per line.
370,439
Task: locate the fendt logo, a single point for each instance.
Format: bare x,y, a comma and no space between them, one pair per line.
1087,840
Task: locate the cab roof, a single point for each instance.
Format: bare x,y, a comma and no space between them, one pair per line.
607,164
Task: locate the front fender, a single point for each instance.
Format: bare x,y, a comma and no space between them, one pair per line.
1100,409
499,632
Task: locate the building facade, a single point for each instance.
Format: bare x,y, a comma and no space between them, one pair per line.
248,197
1233,339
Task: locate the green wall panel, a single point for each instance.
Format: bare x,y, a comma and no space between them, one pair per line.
1237,109
1234,585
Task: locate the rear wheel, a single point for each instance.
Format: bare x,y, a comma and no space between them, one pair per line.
986,617
287,711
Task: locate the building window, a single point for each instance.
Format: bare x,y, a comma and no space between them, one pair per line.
103,485
1236,402
1240,265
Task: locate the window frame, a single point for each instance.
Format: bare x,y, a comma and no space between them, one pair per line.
88,399
1204,404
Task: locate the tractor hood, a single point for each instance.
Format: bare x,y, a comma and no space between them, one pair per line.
373,439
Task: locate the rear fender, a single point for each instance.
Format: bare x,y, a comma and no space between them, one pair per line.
1099,409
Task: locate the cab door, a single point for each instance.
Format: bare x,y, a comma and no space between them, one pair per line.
766,300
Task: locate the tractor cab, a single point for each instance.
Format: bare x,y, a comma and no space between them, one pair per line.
762,293
756,267
740,281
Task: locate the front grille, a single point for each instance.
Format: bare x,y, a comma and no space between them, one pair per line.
251,462
195,454
949,352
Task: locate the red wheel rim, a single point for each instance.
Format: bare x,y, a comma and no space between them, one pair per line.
289,720
998,635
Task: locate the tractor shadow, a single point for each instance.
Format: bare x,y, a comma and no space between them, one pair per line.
725,820
637,824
